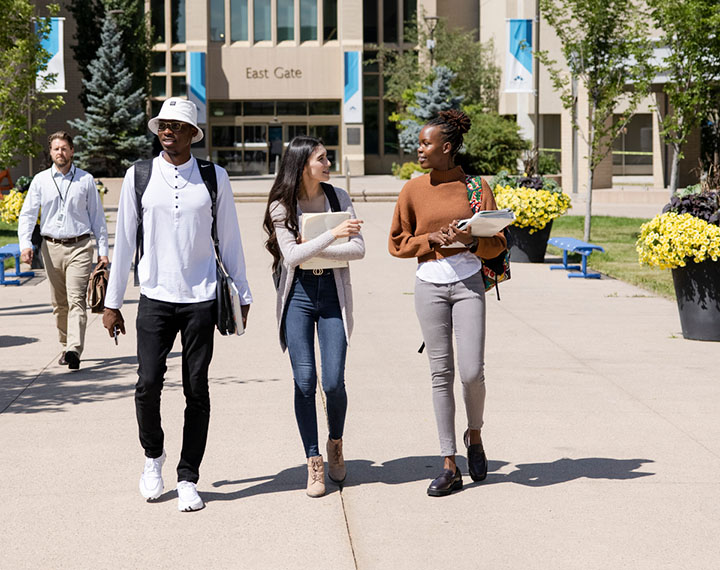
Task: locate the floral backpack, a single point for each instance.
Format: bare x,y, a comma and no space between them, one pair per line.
497,269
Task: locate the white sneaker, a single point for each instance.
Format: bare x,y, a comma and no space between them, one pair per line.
188,498
151,482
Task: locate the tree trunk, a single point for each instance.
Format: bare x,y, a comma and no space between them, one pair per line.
591,171
674,174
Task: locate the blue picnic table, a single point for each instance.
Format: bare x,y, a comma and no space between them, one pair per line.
573,245
12,250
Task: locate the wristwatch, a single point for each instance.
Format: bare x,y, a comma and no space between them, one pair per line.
473,245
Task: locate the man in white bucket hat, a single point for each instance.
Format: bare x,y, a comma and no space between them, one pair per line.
176,271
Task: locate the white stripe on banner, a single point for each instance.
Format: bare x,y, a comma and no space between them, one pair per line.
197,92
519,58
352,98
53,44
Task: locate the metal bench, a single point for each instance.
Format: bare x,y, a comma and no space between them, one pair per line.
12,250
572,245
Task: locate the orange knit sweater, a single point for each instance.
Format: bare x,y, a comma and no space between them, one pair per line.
429,202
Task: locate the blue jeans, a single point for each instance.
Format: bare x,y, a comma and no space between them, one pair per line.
313,302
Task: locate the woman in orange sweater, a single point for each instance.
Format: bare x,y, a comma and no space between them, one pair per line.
449,286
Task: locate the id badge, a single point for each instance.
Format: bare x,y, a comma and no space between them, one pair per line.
60,219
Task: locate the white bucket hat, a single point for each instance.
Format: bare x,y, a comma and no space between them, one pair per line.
176,109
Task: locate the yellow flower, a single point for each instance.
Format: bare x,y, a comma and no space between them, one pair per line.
533,209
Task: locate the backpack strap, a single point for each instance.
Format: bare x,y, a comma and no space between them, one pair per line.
331,195
209,177
143,171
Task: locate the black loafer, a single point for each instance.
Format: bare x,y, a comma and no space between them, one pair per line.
477,461
446,483
72,359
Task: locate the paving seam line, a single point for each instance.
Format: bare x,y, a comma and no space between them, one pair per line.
340,489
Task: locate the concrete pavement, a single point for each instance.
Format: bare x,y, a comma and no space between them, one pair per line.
602,430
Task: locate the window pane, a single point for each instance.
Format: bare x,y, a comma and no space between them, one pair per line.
324,107
259,108
332,157
390,133
370,23
158,86
291,108
296,131
330,20
225,136
371,85
262,20
390,21
230,160
177,21
308,20
179,86
369,56
238,20
256,134
217,20
255,162
409,10
178,61
225,108
158,62
327,133
157,19
285,20
371,122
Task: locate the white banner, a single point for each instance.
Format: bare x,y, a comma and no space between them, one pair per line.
519,58
53,44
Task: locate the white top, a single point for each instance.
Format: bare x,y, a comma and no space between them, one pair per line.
178,262
69,207
449,269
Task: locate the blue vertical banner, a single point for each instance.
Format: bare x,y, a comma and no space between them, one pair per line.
352,97
519,57
197,92
53,44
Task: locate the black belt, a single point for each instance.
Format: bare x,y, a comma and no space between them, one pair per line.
312,272
66,241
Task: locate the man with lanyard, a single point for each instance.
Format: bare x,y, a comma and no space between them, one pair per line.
70,212
177,276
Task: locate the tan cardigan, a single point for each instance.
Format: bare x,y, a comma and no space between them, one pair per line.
293,254
429,202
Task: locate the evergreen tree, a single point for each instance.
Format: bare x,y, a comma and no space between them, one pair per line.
438,96
112,135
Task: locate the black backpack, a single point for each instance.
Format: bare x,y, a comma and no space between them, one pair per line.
143,171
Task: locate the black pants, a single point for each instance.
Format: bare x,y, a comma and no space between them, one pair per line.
158,323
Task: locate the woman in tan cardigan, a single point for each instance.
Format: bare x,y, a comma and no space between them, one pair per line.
449,286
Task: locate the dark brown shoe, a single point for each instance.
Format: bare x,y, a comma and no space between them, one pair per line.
446,483
477,461
61,360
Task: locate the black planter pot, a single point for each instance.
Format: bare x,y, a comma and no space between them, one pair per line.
697,289
526,247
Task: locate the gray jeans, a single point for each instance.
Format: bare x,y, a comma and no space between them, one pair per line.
442,308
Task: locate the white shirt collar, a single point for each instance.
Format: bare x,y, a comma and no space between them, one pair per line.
167,164
55,172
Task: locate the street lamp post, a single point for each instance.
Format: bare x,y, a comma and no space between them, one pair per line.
431,22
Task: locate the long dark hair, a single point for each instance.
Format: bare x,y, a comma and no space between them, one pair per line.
453,125
285,190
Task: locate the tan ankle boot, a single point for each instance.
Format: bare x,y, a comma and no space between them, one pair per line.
336,462
316,477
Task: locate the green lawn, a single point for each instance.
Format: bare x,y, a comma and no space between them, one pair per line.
620,260
8,234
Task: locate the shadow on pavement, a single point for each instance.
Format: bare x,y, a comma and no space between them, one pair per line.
410,469
9,340
24,310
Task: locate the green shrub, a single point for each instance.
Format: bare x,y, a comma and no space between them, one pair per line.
405,171
493,143
547,164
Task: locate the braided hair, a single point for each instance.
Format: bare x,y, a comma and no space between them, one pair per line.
453,125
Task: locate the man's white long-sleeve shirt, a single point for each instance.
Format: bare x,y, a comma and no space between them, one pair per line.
69,207
178,261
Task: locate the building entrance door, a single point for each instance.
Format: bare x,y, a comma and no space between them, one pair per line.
275,140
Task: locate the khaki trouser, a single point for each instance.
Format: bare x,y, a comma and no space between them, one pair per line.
68,269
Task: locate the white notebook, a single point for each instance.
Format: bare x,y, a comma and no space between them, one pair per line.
487,223
314,225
